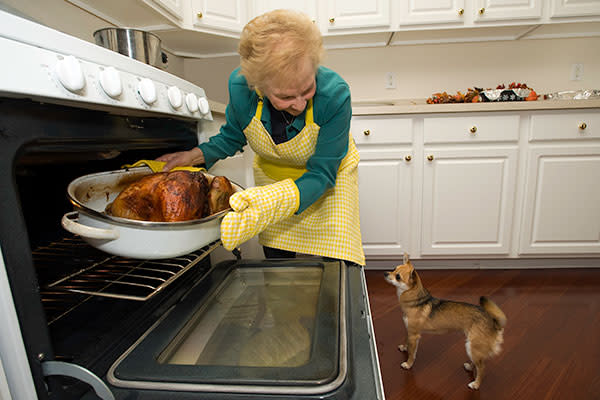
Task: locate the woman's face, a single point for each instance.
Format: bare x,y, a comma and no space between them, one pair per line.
294,96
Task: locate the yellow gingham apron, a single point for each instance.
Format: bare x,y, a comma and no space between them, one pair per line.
331,226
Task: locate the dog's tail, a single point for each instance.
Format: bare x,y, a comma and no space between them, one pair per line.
491,308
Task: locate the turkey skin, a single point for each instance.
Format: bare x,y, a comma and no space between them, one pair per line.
172,197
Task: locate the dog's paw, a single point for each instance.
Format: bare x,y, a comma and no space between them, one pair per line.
405,365
402,347
474,385
468,366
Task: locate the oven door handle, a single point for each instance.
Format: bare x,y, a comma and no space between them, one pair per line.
70,222
78,372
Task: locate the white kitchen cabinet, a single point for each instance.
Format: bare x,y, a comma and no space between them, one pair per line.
468,200
562,200
385,179
308,7
357,15
226,16
469,183
173,7
496,10
574,8
432,12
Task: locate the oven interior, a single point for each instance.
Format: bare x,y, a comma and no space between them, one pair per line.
77,304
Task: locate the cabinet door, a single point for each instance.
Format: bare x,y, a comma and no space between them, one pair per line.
575,8
562,201
384,183
468,200
174,7
349,14
224,15
495,10
431,11
308,7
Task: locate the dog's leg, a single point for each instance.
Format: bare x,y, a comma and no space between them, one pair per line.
413,343
468,366
403,347
479,369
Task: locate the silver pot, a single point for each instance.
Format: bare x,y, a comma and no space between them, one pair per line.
139,45
90,194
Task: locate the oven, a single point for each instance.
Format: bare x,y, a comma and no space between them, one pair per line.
78,323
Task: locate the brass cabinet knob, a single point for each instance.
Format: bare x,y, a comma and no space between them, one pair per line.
582,125
430,157
331,20
461,11
199,15
408,158
473,129
481,11
367,132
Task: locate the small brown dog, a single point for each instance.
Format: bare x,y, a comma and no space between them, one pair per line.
483,325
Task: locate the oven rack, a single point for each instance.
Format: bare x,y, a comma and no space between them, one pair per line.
94,273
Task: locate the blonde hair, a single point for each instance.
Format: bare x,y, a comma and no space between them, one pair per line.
273,46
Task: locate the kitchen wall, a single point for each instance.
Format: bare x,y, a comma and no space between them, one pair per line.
420,70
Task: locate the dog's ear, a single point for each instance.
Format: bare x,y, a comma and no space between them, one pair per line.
405,258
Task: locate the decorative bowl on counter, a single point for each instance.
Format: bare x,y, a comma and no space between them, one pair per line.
505,94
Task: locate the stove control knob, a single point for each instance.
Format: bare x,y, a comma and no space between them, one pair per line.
147,90
70,73
110,80
175,97
203,105
191,101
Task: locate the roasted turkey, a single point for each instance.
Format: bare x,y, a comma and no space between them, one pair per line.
172,196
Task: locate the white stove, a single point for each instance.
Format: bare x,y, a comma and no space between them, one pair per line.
42,63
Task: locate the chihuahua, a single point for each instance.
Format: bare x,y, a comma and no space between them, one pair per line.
483,325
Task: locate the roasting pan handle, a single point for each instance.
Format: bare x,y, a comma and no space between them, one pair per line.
70,222
80,373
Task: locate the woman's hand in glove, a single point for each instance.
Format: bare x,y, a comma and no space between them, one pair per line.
182,159
256,208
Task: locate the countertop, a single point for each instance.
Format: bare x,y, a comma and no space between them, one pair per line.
382,107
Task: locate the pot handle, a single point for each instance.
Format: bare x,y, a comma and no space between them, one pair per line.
70,222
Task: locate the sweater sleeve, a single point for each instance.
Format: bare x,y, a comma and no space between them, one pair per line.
230,138
333,117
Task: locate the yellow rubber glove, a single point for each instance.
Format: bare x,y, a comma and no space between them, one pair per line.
157,166
256,208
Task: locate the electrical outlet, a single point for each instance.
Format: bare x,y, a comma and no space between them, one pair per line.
390,80
576,72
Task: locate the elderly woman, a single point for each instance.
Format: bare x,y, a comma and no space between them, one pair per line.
295,115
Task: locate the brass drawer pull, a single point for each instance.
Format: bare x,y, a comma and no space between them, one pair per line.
331,20
481,11
430,157
199,15
582,125
473,129
408,158
461,11
367,132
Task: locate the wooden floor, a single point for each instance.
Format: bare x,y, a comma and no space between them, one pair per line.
551,342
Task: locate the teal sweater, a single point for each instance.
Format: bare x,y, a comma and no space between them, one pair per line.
332,112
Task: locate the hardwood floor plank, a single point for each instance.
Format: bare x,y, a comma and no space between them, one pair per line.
551,344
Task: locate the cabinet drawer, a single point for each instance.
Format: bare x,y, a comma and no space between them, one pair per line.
496,128
381,130
565,126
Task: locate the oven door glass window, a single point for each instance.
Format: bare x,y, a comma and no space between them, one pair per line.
273,323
